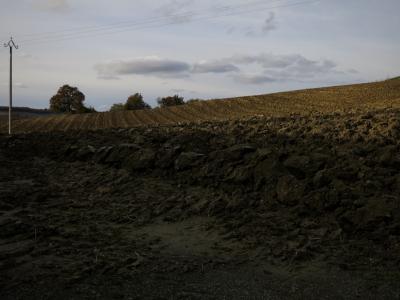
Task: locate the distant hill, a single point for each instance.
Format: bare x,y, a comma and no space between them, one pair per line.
25,112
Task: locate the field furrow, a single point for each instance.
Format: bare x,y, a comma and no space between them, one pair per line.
370,96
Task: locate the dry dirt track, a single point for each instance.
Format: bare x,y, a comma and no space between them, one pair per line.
263,208
326,100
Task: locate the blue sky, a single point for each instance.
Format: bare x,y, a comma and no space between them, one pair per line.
198,49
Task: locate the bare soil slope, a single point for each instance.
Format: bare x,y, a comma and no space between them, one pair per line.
324,100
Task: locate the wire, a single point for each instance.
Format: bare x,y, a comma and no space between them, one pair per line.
129,23
165,21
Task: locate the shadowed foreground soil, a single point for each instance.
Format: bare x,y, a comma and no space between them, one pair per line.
264,208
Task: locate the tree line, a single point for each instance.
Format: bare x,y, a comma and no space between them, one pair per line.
70,100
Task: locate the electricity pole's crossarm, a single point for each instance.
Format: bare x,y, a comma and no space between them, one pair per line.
11,45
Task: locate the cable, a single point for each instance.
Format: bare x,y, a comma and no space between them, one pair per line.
129,23
133,23
149,24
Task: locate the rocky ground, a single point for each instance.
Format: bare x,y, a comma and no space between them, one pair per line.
262,208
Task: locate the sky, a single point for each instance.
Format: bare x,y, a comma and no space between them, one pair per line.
198,49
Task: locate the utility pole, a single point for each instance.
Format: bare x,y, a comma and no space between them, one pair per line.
10,45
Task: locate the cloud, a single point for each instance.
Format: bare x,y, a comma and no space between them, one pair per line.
181,91
303,67
214,67
266,60
253,79
52,5
178,90
24,55
269,24
151,65
107,77
104,107
20,85
352,71
231,30
263,68
176,10
293,67
159,67
287,67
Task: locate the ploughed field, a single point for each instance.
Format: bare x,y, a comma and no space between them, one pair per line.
21,113
324,100
303,206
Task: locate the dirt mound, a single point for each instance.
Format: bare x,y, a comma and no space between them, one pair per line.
294,192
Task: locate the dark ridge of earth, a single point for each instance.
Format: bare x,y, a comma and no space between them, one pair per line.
263,208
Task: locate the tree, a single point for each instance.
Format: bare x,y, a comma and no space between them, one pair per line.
135,102
69,100
170,101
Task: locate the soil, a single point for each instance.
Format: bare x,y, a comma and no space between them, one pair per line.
260,208
327,100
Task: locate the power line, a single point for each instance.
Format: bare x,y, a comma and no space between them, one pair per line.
149,20
154,23
147,24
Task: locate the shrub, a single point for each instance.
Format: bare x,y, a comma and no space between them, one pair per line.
194,100
117,107
170,101
88,110
135,102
